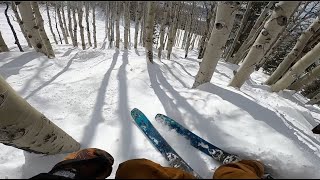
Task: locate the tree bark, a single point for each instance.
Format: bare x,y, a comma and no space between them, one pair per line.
173,29
94,25
297,69
272,28
306,79
111,26
23,127
55,18
87,22
245,45
149,30
75,36
16,14
223,24
126,25
80,14
293,54
42,32
163,28
117,25
30,26
136,27
64,19
240,30
61,25
50,25
70,24
3,45
11,27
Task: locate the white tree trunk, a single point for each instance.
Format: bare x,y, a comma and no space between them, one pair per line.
240,31
137,20
30,26
293,54
272,28
23,127
149,30
61,25
3,45
42,32
173,29
64,19
55,20
80,14
94,25
126,25
306,79
223,24
111,25
87,8
297,69
163,28
75,36
70,24
117,25
245,45
16,14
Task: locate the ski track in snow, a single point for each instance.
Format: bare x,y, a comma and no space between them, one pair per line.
90,93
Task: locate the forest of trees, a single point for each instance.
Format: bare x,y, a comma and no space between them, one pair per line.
279,38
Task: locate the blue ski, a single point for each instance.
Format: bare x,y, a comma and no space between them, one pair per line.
201,144
160,143
197,142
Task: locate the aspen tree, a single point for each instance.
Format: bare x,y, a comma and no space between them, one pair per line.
87,9
293,54
3,45
75,36
61,24
272,28
259,23
29,24
117,25
70,24
149,30
222,27
80,14
23,127
136,27
16,14
42,32
297,69
94,25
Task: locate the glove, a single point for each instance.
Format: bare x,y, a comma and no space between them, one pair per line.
86,163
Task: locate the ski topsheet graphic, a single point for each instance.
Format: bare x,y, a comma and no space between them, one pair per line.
160,143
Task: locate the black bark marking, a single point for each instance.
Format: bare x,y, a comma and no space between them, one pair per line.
39,45
219,26
282,20
259,46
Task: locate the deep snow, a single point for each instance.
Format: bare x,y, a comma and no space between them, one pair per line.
90,93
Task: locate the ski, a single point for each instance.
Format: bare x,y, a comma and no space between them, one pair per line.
201,144
197,142
160,143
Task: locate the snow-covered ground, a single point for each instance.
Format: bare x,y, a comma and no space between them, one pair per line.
90,93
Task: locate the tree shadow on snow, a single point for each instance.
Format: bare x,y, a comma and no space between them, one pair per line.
258,112
52,79
97,116
171,109
126,148
14,66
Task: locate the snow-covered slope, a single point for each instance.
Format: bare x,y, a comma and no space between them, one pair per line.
90,93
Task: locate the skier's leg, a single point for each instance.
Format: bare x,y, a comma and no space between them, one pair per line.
244,169
146,169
